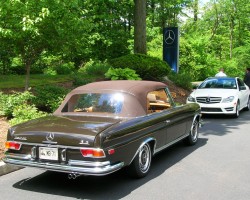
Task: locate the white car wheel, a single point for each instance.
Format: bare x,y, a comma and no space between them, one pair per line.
237,111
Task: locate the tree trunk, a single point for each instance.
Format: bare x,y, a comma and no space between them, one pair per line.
196,10
216,23
140,27
232,30
231,37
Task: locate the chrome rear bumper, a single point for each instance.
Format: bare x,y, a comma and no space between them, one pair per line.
73,166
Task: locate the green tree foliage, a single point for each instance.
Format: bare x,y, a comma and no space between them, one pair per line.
31,27
111,20
166,13
74,30
219,38
35,32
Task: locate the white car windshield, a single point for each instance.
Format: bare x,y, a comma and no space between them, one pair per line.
222,83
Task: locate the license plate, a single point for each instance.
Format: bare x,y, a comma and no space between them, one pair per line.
48,153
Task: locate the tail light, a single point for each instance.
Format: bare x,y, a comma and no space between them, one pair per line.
92,153
13,145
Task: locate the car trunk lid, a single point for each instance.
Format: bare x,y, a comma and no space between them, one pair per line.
69,130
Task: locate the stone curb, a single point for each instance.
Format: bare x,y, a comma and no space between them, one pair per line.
6,168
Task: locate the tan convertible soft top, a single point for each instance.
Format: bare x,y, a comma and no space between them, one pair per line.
136,93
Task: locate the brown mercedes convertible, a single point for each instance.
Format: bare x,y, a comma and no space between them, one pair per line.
102,127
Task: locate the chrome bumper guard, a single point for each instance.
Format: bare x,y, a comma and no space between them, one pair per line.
73,166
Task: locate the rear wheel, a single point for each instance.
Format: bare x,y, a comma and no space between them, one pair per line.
142,162
193,134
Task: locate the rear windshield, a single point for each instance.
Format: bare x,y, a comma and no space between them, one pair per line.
218,83
95,102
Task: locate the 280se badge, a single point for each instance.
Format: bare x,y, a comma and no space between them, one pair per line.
104,126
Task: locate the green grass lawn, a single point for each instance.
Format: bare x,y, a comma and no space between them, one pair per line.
18,81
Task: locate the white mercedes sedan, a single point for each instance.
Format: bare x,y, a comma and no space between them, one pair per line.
221,95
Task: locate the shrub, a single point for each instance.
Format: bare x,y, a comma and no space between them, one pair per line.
148,68
9,102
181,79
122,74
3,99
25,112
80,79
94,68
17,66
50,71
49,97
65,68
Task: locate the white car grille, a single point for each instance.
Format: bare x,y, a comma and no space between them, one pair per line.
208,100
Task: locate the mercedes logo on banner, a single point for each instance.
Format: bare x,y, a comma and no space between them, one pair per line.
169,37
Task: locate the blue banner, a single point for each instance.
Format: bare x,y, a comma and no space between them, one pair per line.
171,47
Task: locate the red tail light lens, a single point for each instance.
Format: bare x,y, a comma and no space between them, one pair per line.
111,151
94,153
12,145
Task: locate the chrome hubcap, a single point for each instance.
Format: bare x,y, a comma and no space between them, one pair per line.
194,131
144,158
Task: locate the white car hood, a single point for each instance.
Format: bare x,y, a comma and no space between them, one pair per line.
224,93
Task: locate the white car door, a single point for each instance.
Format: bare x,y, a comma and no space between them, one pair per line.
243,93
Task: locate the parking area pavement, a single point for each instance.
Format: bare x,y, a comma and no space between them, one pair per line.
6,168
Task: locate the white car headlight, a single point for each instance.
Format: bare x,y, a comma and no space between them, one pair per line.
228,99
191,99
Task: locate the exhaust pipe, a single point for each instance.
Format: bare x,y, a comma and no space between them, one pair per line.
73,176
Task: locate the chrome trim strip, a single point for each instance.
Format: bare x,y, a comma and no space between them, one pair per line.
84,170
171,143
178,139
49,142
88,163
50,145
19,156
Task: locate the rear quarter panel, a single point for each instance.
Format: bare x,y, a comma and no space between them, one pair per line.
126,137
